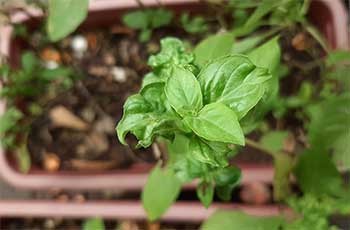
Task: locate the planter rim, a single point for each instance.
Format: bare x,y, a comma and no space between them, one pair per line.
132,210
117,179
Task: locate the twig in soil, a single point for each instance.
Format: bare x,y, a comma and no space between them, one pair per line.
140,3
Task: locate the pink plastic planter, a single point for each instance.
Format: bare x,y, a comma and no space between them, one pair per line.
132,210
328,15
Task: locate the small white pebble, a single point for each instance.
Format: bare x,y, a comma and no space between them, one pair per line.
119,74
79,45
51,64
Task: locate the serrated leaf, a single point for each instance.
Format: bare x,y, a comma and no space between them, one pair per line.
216,122
172,52
64,17
183,92
160,192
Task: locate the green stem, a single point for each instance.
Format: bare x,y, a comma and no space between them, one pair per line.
258,146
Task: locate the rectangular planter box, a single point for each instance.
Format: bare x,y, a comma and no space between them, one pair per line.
328,15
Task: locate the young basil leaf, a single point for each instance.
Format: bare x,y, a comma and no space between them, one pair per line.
145,35
160,17
316,174
183,92
136,19
234,81
226,179
147,115
29,62
213,47
65,17
160,192
9,119
235,220
172,52
205,193
195,25
216,122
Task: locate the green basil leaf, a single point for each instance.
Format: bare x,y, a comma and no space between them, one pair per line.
235,220
29,62
226,180
213,47
94,224
212,153
65,17
147,115
181,159
9,119
205,193
267,55
160,17
329,128
316,174
337,56
136,19
194,25
160,192
234,81
183,92
145,35
216,122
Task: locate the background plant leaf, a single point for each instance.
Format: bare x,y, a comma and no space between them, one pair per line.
64,17
160,192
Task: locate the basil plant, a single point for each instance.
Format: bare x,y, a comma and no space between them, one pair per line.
197,112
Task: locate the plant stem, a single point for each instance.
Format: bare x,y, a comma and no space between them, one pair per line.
258,146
